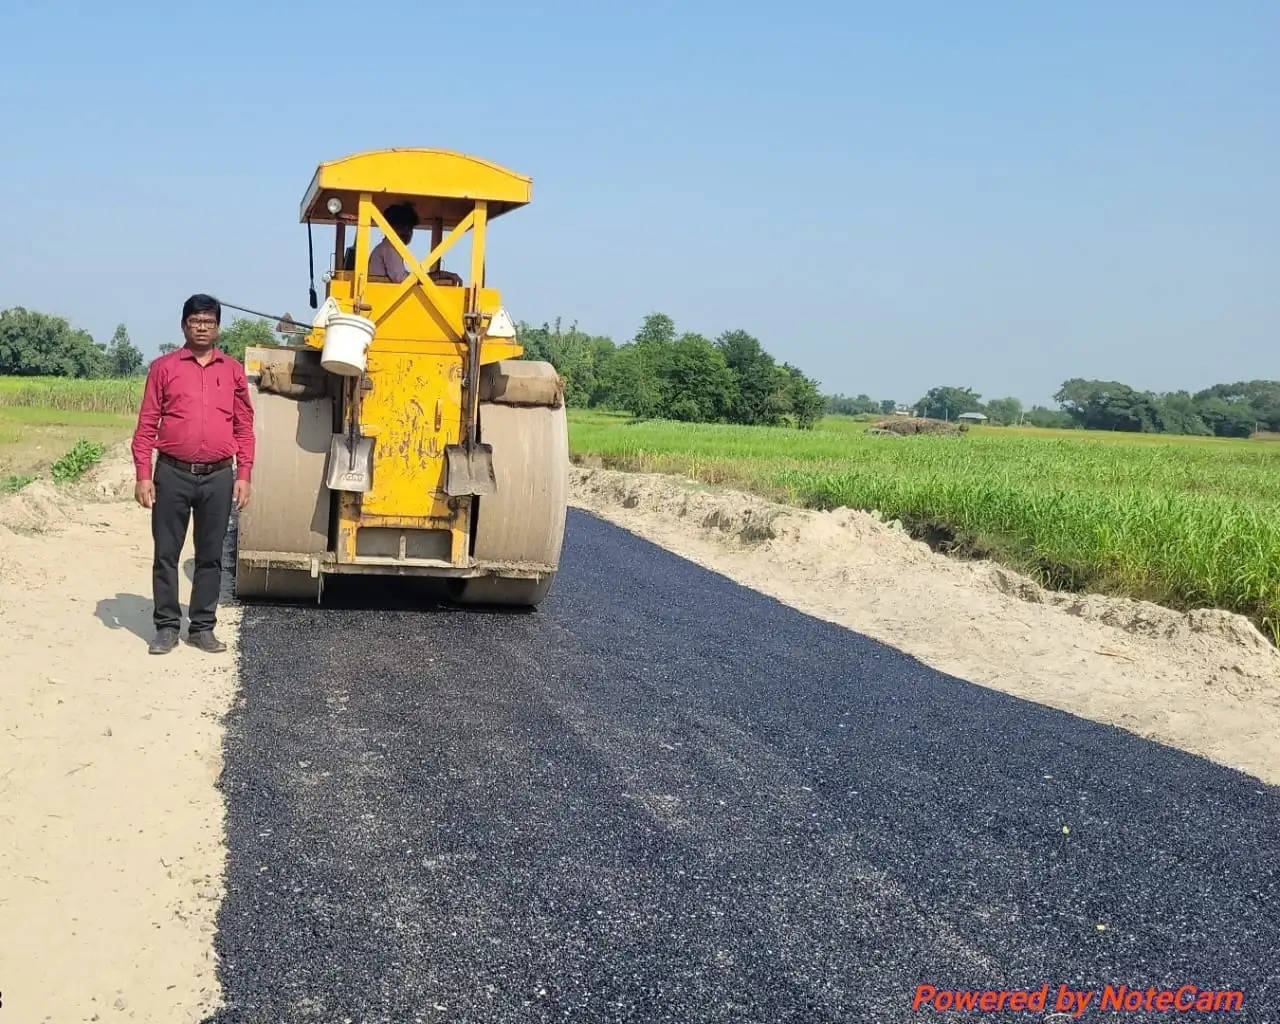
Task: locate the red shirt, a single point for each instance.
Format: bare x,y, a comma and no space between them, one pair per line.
195,413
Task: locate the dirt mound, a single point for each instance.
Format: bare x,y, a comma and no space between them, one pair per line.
905,426
1206,681
43,506
111,479
39,507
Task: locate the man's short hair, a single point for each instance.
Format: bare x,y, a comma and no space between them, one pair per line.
202,304
401,215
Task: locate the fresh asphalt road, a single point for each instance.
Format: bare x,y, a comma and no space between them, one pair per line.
664,797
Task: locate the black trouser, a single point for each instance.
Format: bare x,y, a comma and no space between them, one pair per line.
179,493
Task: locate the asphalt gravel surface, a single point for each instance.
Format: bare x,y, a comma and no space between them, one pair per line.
665,797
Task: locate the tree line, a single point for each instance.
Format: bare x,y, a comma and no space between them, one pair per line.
1236,409
666,375
34,344
947,404
733,379
657,374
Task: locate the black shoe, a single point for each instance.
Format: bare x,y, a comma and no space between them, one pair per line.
206,641
165,641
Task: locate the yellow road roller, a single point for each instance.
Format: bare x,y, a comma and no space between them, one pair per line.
403,435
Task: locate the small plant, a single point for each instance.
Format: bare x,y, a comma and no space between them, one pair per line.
15,483
82,455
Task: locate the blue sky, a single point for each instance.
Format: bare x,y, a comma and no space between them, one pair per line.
891,196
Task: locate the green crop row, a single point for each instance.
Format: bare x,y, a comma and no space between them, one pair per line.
109,395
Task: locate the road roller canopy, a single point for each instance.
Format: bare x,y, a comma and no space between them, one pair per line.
440,185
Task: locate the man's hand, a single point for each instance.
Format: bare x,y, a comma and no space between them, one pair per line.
145,492
241,494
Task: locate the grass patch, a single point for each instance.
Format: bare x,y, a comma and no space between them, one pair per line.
1187,522
73,465
15,418
14,483
32,438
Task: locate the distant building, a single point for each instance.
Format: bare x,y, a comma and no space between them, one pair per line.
972,417
903,410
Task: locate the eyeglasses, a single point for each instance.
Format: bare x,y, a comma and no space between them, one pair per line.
195,322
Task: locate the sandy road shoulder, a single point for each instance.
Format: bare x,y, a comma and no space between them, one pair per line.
112,823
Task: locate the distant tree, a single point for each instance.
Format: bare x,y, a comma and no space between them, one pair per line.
654,346
658,328
739,348
34,344
1108,405
627,385
1228,410
1263,396
1179,413
603,352
1058,419
845,406
700,387
946,403
166,347
660,373
758,399
577,357
1004,410
123,357
888,406
805,402
1227,419
536,342
242,334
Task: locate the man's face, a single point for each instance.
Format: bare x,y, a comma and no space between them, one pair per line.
200,329
405,233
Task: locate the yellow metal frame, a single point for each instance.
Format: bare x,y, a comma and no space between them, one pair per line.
417,360
418,271
438,183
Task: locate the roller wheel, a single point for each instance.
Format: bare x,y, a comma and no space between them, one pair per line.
276,584
288,509
503,591
524,521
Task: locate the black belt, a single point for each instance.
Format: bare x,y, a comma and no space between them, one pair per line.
197,468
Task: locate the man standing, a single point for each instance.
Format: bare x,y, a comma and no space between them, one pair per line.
197,416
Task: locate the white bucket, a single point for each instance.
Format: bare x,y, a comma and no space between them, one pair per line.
346,343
